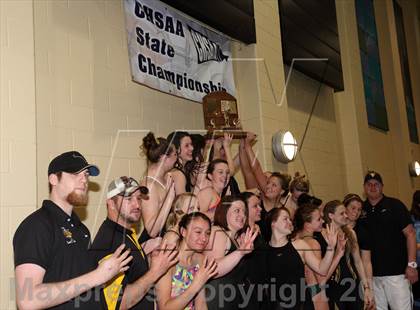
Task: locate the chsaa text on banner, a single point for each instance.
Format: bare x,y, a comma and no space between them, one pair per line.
174,54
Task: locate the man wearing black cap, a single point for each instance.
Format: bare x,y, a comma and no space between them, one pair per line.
393,249
131,289
53,268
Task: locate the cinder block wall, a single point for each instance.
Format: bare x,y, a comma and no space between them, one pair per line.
86,99
18,167
320,157
65,84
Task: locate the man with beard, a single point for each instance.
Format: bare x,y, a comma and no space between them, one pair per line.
393,246
53,268
132,289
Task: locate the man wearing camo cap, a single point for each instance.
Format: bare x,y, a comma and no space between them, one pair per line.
132,289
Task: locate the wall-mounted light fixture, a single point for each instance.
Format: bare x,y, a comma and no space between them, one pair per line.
284,145
414,168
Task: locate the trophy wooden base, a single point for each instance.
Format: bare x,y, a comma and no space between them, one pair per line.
219,133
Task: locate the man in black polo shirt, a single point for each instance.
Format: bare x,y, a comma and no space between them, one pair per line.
52,265
393,246
132,289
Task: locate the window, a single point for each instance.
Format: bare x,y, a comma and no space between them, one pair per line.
405,70
371,66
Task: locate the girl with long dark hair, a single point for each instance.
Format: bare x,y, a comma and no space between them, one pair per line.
182,286
286,261
343,283
308,220
231,239
184,153
210,196
161,157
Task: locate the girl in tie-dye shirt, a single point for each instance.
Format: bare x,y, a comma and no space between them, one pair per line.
182,286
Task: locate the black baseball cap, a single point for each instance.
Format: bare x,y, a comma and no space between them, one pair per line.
372,175
71,162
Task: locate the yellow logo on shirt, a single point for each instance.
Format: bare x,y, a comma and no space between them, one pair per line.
68,235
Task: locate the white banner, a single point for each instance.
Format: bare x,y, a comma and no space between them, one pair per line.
174,54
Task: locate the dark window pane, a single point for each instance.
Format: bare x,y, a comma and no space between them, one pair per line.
371,66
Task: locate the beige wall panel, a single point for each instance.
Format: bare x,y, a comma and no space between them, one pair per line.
321,157
381,158
17,132
85,100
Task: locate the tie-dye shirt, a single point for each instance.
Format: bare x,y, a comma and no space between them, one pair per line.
182,280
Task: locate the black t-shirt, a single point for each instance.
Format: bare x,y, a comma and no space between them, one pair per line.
286,272
384,223
58,243
264,226
109,237
255,261
363,238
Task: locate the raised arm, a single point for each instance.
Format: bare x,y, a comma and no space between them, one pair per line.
155,215
201,180
225,263
236,164
31,292
339,252
161,260
227,141
164,211
249,178
320,266
254,162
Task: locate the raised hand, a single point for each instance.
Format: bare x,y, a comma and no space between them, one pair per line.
227,140
206,271
207,148
218,144
250,137
203,167
152,244
114,264
209,143
242,143
162,259
246,241
331,236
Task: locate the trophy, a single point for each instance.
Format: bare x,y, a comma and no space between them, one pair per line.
221,115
